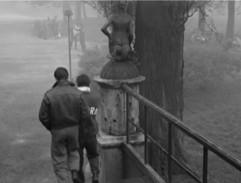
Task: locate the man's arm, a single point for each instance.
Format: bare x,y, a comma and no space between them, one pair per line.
44,113
84,111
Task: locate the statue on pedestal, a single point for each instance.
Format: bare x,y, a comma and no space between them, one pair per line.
120,69
121,35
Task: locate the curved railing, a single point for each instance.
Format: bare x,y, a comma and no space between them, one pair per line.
173,121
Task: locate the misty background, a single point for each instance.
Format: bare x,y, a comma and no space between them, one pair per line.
211,86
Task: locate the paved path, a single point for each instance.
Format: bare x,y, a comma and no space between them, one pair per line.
26,67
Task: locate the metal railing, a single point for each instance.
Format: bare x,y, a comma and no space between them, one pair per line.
175,122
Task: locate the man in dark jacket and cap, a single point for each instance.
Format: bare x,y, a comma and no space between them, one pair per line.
88,131
62,111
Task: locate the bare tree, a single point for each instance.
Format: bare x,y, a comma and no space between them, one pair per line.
159,43
84,10
78,13
201,17
79,21
231,19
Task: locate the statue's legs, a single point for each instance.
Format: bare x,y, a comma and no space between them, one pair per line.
120,52
126,49
111,47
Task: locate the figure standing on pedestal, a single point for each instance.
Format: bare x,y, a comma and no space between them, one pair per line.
121,35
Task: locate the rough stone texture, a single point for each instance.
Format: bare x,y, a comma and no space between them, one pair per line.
111,155
113,111
117,83
111,166
119,70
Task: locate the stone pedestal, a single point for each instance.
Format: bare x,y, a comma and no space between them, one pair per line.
119,70
113,115
111,155
113,105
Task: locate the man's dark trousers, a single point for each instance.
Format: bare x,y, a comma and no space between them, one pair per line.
90,144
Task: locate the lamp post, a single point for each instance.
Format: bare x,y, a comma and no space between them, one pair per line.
69,13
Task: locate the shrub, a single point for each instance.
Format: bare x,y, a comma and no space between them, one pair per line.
205,66
93,61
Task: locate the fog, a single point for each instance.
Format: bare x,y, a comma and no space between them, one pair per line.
212,85
25,8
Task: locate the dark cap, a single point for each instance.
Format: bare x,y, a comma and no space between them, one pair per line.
83,80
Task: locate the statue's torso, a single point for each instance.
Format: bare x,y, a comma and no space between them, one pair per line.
120,28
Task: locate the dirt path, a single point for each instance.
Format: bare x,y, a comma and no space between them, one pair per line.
26,66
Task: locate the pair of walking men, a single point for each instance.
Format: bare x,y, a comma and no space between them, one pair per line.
68,112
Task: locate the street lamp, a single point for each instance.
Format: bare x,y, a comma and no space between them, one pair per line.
69,13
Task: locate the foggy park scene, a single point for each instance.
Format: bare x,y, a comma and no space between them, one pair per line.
171,74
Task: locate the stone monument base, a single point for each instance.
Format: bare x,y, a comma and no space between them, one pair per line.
113,104
119,70
111,155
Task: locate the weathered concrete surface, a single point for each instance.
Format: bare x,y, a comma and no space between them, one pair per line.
111,156
113,105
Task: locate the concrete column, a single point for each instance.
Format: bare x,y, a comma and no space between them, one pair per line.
112,114
113,105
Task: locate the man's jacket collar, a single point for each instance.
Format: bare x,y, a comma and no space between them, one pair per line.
84,89
63,83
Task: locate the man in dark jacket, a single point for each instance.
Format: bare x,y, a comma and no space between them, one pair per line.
88,131
62,111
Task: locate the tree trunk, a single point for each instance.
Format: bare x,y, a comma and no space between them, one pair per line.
79,21
231,18
78,17
159,43
84,11
201,18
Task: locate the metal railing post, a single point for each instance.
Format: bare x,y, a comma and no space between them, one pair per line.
127,118
169,152
205,164
179,125
145,130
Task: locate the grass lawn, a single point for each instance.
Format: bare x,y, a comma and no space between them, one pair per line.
215,115
26,71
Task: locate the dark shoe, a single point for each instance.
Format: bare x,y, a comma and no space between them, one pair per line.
95,178
94,165
75,177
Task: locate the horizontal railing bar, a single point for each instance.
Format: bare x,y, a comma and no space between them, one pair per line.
228,157
187,170
173,158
